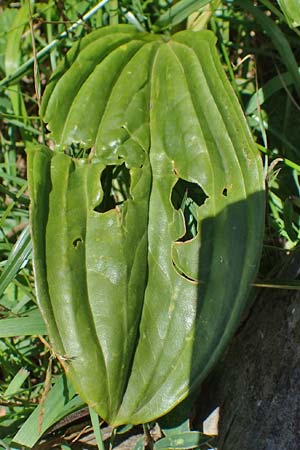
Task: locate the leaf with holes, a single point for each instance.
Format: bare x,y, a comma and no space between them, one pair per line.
144,247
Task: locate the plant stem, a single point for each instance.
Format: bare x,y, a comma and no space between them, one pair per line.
112,438
287,162
113,12
97,429
149,440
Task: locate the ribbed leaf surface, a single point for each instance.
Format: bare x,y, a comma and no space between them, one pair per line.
291,9
141,311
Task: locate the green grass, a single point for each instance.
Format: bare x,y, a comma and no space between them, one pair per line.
260,53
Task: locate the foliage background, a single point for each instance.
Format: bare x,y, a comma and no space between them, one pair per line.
260,53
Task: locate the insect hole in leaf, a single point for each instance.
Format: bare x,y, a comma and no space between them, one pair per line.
115,182
188,197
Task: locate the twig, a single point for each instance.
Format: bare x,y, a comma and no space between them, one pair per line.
148,438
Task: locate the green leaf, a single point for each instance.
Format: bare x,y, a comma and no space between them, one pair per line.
123,287
140,444
187,440
96,427
12,63
179,12
59,403
16,382
29,324
177,421
175,430
14,39
291,10
16,260
6,19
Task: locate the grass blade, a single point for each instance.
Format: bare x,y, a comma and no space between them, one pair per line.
59,403
279,40
17,259
12,62
31,324
274,85
12,78
179,12
96,427
14,39
16,382
293,285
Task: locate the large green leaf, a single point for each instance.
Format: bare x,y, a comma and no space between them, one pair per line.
180,12
140,306
291,9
